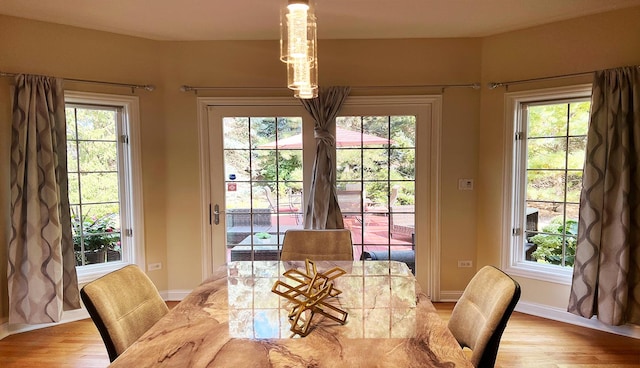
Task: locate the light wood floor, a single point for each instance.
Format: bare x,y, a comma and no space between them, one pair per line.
527,342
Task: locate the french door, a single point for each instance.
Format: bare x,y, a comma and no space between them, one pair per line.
258,168
259,162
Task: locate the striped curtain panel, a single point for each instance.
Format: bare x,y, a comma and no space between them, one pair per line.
323,211
42,279
606,273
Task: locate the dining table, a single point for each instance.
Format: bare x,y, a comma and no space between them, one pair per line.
234,319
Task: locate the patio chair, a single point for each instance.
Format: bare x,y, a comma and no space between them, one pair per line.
123,304
317,245
480,316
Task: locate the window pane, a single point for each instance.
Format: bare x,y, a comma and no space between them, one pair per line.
579,118
236,132
545,185
403,131
236,164
99,187
353,123
289,165
96,124
546,153
72,156
574,186
377,196
348,164
547,121
262,131
238,195
96,233
264,164
375,165
404,192
377,126
70,114
577,151
289,133
402,164
98,156
74,188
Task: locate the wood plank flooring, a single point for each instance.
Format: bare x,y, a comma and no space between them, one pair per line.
528,341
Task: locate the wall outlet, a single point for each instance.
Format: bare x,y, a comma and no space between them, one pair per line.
465,184
154,266
465,263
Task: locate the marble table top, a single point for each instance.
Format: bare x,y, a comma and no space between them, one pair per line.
234,320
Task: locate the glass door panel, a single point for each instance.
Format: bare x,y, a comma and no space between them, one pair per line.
375,162
263,183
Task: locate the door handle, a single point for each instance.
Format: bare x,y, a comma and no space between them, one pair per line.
216,214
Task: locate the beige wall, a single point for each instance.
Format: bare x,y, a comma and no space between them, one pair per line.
590,43
472,121
355,63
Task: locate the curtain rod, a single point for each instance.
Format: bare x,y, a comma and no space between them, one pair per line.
186,88
494,85
148,87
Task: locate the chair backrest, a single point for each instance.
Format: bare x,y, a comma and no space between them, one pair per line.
123,304
480,316
317,245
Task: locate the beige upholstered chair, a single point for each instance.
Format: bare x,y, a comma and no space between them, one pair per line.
317,245
480,316
123,304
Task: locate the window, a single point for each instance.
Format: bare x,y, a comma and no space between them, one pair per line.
102,172
549,143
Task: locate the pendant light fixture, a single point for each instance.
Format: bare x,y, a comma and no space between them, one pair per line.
298,47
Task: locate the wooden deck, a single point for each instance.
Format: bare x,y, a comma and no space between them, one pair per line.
369,234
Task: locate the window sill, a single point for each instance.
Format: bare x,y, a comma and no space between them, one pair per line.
89,273
541,272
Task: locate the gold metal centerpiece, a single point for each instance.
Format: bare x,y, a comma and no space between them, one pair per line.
309,291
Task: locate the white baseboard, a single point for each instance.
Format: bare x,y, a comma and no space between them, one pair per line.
7,329
175,295
561,315
447,296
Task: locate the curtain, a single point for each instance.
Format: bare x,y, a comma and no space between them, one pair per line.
42,279
606,273
323,211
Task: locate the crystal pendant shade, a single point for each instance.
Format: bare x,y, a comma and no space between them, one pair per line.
298,47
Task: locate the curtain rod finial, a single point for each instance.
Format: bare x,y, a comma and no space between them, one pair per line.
494,85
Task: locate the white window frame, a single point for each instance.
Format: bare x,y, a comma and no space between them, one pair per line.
130,182
512,244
